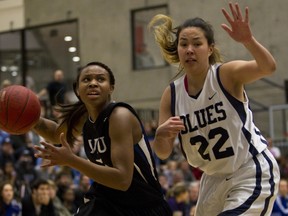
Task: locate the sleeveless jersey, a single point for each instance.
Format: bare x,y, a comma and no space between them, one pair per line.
145,190
219,132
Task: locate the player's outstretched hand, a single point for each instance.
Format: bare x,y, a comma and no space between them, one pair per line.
239,28
53,154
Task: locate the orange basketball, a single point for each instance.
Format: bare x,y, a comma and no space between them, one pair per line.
19,109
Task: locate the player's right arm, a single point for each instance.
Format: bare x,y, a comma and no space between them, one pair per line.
168,129
49,130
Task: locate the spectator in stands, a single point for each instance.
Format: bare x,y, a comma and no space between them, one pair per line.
82,189
9,206
62,180
39,203
68,198
280,207
169,169
5,83
186,170
178,198
193,189
6,152
9,172
26,172
25,166
59,207
56,90
164,183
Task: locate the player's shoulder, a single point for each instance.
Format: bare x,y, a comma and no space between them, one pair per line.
120,110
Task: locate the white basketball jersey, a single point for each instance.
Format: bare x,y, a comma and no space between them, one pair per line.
219,132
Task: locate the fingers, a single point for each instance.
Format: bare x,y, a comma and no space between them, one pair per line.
45,151
246,14
227,16
42,153
175,124
63,139
47,145
176,128
175,119
235,12
226,28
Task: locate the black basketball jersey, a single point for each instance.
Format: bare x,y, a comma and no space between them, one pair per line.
145,190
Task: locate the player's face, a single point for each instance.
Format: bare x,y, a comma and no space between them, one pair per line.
193,49
94,86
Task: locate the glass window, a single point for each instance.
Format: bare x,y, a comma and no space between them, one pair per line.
36,52
146,53
10,57
52,47
30,57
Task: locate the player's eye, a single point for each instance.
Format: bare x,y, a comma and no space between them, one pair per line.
85,79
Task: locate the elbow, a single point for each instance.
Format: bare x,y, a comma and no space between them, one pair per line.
124,184
269,70
272,68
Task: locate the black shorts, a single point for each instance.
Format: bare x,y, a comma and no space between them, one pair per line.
97,207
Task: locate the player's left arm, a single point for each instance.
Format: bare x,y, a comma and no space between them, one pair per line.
243,72
235,74
124,131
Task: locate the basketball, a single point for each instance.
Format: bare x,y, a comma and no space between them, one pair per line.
19,109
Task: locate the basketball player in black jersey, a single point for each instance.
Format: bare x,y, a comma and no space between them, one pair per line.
120,160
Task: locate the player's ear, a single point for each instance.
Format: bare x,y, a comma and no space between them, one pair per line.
211,49
75,89
111,89
77,92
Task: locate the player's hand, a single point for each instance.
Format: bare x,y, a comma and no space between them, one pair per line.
239,28
55,155
170,128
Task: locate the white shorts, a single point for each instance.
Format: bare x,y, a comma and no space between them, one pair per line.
250,191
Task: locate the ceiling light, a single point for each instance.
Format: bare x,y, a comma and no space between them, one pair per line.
13,68
72,49
76,59
68,38
14,73
4,68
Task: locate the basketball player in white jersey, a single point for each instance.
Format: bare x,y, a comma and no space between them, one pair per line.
207,107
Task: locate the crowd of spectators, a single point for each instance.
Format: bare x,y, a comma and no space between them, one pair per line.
55,190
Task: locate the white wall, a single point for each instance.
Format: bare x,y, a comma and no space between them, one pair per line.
11,15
